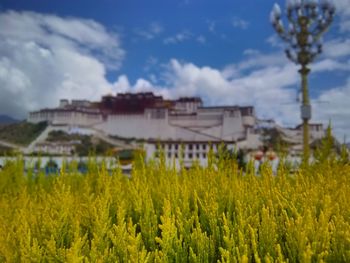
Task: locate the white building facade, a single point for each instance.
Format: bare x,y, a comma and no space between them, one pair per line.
184,130
173,125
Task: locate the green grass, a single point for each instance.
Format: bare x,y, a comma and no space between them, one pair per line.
5,151
22,133
87,144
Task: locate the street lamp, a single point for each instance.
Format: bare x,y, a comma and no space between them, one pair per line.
307,20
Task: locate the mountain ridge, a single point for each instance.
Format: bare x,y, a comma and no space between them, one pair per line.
5,119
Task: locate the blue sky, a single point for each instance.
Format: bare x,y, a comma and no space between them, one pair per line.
224,51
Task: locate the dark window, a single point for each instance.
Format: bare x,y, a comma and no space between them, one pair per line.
169,155
204,146
190,147
197,146
190,156
176,156
204,155
176,146
170,146
197,155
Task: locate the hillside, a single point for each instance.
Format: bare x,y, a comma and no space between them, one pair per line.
21,133
5,119
87,145
5,151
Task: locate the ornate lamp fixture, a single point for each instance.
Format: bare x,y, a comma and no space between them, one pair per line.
307,20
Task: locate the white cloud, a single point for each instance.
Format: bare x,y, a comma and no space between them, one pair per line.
270,86
337,48
335,108
122,84
178,38
332,104
254,60
342,7
46,57
184,3
183,36
211,26
275,41
152,31
345,26
151,62
260,88
330,65
240,23
141,85
201,39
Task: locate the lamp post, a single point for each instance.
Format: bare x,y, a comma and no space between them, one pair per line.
307,20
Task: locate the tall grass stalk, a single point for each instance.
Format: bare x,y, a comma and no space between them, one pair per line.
160,214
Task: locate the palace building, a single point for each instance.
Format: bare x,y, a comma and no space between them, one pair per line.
182,129
183,126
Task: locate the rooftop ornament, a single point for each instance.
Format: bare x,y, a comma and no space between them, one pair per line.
302,30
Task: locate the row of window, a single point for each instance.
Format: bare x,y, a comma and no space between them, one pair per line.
61,114
188,155
188,146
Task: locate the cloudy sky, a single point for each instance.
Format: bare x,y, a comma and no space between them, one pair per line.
224,51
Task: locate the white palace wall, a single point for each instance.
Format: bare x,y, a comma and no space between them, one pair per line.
195,121
72,118
136,126
232,128
209,125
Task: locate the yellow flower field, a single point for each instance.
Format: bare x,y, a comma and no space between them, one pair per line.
212,214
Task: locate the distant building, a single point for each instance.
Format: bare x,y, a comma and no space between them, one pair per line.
170,124
181,129
316,130
56,148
